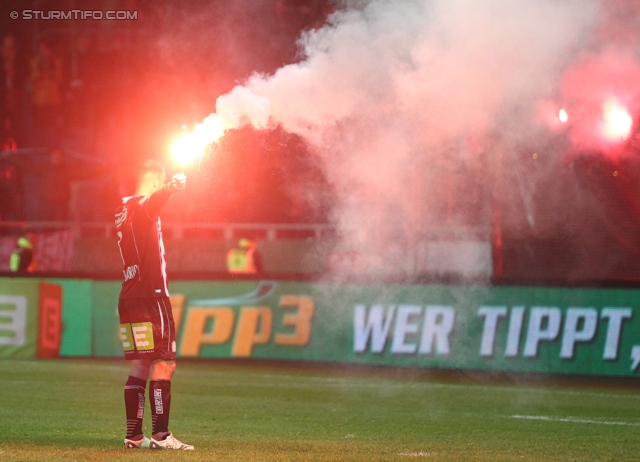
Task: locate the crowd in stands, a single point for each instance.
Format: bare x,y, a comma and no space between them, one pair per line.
82,102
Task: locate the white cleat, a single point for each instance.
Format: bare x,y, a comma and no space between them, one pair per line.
137,444
170,442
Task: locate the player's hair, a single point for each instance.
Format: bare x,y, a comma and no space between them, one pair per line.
150,166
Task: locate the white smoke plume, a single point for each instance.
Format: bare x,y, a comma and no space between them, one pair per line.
241,106
390,93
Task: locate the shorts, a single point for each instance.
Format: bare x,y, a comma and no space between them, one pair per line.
147,329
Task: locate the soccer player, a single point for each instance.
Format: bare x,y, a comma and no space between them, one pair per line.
147,328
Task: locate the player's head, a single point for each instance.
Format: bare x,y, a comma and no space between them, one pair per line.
151,177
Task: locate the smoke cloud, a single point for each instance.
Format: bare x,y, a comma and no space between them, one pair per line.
241,106
399,97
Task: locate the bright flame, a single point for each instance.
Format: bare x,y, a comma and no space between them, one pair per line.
186,149
617,121
563,116
191,146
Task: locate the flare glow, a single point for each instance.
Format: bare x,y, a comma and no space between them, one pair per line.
617,121
191,146
563,116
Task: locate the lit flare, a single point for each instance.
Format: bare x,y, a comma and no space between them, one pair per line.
563,116
191,146
617,121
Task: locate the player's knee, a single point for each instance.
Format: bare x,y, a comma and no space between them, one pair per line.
163,370
140,369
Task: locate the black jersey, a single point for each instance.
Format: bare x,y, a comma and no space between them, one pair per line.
141,247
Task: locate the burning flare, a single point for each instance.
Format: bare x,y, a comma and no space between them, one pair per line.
617,121
563,116
191,146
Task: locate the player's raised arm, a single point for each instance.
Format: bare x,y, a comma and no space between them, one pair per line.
163,192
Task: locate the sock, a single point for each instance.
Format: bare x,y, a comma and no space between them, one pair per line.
134,405
160,399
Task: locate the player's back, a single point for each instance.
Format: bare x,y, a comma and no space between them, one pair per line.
141,249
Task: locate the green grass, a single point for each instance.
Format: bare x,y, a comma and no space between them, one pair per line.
73,410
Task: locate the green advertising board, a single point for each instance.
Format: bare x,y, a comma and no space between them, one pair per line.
512,329
19,299
77,309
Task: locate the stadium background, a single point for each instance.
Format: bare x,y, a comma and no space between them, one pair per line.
490,210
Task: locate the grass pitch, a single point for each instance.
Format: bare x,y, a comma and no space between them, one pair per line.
74,410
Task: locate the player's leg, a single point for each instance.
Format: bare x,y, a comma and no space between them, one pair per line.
140,368
138,313
160,397
162,369
134,396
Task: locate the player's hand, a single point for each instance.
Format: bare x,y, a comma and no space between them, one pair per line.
178,181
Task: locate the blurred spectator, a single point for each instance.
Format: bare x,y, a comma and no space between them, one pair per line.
57,187
10,192
10,180
22,259
245,258
85,76
46,80
7,138
9,94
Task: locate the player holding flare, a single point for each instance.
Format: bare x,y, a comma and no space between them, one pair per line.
147,328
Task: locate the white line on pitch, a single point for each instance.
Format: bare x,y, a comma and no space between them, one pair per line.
548,418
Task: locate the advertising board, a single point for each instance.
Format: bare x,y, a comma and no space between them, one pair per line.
511,329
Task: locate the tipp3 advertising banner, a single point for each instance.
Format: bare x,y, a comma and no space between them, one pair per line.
510,329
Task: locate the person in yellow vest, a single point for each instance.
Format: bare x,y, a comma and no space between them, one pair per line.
21,260
245,258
